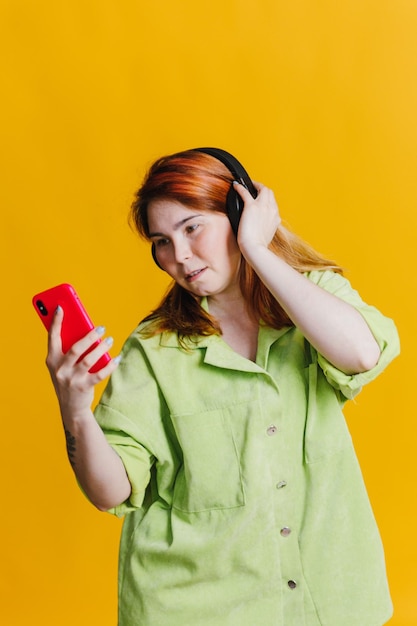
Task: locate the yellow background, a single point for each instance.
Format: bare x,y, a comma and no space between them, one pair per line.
319,101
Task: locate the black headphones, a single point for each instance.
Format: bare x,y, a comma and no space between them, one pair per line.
234,203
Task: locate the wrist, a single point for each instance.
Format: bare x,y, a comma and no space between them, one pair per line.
75,418
254,253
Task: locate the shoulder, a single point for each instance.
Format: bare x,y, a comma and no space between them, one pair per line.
335,283
142,337
146,340
326,278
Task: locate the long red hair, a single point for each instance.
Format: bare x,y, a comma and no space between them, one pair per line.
202,182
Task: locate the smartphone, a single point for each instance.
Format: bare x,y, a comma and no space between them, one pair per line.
76,322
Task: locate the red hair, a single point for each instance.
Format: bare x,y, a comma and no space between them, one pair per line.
202,182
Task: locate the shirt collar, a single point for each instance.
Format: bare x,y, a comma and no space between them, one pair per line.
218,353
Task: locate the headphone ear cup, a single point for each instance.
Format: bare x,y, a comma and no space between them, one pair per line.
234,206
153,249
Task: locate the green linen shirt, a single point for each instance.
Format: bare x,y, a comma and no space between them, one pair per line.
248,507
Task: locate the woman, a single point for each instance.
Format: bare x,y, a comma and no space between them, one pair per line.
220,435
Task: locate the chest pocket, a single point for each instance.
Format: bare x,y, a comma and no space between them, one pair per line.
210,475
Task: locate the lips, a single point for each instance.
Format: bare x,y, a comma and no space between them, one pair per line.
194,275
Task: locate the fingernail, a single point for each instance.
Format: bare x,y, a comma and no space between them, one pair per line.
58,309
109,341
117,359
236,182
100,330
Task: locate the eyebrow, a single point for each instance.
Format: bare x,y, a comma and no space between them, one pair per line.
177,225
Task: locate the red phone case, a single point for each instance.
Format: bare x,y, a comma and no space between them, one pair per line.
76,322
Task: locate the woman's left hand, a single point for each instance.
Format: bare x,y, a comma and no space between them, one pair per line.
260,217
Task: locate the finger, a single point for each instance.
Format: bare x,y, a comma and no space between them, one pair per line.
54,335
105,371
84,345
242,191
94,353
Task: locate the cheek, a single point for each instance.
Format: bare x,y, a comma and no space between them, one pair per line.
165,260
216,247
226,253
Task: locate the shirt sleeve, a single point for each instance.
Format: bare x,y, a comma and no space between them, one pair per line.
129,413
382,328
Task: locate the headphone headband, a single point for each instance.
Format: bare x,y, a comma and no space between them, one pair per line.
233,165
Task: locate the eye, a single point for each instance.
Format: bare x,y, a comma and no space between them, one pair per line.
159,243
191,228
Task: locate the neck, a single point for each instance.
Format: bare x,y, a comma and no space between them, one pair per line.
233,308
238,325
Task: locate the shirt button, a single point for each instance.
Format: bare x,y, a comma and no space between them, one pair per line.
272,430
292,584
285,531
281,484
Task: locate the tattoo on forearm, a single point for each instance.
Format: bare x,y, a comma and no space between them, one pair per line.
70,439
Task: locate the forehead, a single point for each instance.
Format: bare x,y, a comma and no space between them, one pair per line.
163,212
165,205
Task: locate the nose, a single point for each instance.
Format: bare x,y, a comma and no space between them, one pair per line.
182,251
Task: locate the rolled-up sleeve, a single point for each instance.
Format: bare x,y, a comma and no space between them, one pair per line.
129,413
382,328
137,460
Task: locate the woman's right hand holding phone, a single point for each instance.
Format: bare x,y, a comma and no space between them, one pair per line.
74,384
